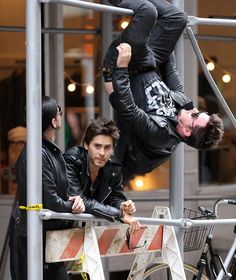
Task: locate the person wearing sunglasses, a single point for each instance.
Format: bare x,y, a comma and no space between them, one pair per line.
55,186
153,113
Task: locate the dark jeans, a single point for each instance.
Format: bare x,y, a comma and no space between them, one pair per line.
152,33
14,267
18,249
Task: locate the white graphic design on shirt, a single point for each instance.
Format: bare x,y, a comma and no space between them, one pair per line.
159,101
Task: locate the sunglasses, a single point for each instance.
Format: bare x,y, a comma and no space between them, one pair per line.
195,117
59,111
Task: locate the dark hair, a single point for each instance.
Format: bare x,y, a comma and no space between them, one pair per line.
49,111
209,136
101,126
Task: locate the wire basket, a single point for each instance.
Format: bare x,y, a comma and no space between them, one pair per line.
194,236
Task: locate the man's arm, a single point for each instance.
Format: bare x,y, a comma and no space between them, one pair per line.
51,199
122,99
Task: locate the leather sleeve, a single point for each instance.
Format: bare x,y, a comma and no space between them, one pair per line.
123,102
172,79
74,168
51,199
117,195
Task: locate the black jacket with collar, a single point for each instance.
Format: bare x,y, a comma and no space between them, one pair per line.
102,199
153,138
55,185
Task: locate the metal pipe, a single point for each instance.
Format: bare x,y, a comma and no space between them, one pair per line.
52,30
215,38
34,138
227,260
210,222
177,159
187,198
91,6
46,214
105,8
211,21
209,77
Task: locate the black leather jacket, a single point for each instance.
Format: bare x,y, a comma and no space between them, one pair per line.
55,185
153,138
103,198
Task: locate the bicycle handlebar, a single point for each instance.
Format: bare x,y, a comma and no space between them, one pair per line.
223,201
213,214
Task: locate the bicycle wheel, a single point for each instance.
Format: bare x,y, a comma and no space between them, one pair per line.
162,272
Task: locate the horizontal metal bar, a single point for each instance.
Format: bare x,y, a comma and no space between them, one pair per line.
107,8
211,21
98,31
71,31
187,198
12,29
216,222
91,6
213,37
46,214
52,30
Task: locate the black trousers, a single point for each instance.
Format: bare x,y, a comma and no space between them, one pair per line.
152,33
18,259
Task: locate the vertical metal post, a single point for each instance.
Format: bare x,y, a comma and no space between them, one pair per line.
177,159
34,138
88,79
54,61
106,108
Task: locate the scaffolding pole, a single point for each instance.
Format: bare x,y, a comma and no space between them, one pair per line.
46,214
177,159
211,21
34,139
91,6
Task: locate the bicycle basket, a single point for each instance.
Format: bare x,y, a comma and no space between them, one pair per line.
194,236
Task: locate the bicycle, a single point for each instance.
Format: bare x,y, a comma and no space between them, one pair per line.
210,264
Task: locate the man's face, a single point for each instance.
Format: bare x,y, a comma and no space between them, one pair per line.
58,117
99,150
189,119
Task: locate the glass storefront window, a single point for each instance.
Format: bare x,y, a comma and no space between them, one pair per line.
12,13
81,93
216,166
12,104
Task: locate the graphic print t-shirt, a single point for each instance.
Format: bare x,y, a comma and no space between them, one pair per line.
152,95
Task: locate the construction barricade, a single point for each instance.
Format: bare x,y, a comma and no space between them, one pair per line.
84,247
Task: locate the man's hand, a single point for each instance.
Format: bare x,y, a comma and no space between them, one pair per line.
128,207
133,222
124,55
108,87
78,204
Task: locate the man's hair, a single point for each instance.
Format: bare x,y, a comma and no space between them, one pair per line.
101,126
49,111
203,138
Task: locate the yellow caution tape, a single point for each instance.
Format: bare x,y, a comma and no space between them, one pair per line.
78,265
33,207
84,275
